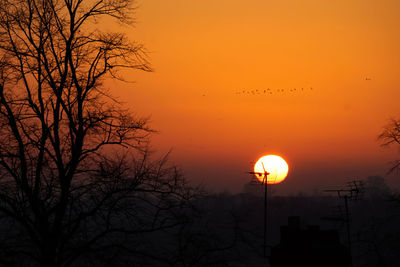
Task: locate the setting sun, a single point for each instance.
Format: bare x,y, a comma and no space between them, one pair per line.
276,166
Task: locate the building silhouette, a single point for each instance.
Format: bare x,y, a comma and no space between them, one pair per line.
311,247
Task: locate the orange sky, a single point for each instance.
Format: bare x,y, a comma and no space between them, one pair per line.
204,51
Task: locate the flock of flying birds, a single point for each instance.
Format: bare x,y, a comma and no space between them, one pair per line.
269,91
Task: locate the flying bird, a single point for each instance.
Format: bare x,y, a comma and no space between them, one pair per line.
278,90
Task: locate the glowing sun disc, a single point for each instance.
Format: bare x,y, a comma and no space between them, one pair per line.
276,166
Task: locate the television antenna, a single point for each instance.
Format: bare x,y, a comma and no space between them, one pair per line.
353,191
265,182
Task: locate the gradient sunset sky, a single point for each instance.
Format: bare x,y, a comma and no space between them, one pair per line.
206,51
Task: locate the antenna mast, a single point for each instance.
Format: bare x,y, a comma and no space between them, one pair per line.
352,192
265,182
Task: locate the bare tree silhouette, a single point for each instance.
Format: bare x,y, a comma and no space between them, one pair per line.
391,136
63,198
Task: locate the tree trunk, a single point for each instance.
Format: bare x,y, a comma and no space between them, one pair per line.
49,255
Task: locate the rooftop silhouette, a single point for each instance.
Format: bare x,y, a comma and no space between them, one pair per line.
311,247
